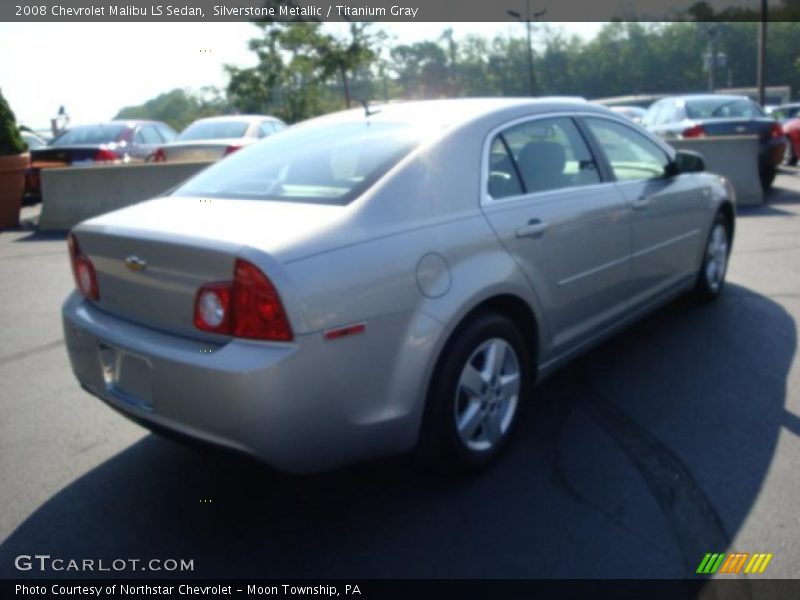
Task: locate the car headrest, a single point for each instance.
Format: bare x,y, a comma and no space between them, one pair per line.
542,159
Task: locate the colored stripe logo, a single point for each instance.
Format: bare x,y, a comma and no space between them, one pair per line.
734,563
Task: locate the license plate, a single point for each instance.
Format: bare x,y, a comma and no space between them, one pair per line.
127,376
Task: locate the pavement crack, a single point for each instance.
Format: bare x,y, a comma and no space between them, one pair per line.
560,479
695,523
30,352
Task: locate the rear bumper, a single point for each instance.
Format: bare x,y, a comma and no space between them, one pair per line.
294,406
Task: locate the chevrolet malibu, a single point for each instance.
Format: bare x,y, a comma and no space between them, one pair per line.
389,279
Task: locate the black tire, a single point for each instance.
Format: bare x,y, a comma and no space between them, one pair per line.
704,290
441,445
767,176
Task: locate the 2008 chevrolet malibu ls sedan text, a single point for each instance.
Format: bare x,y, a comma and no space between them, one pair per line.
388,279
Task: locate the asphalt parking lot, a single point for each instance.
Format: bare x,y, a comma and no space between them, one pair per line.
679,437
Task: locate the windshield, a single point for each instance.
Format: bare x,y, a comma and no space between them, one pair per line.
213,130
90,135
324,164
720,108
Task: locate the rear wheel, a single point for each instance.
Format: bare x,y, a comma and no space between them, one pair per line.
711,278
474,398
789,155
767,175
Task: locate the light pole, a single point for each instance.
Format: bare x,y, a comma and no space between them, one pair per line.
518,17
762,54
710,57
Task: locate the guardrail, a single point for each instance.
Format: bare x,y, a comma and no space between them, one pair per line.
73,194
735,157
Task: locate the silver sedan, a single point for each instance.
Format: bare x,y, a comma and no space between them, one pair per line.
217,137
389,279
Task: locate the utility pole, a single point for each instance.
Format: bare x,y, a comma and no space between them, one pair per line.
516,15
710,58
762,54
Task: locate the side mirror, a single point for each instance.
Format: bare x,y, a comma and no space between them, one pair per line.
687,161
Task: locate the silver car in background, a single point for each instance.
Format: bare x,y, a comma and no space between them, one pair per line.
391,279
216,137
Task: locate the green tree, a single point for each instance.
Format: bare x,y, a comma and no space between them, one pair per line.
301,69
10,140
179,107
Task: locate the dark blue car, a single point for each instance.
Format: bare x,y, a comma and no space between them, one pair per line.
699,115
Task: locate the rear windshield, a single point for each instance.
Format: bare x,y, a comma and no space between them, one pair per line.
713,108
90,135
323,164
213,130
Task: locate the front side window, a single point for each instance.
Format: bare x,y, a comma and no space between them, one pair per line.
548,154
323,164
632,156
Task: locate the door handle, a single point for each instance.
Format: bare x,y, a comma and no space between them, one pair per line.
641,203
534,229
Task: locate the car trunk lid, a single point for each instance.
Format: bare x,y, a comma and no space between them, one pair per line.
151,258
724,127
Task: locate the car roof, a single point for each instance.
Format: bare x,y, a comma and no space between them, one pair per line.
247,118
451,112
116,122
707,97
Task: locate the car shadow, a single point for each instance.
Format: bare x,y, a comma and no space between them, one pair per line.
43,236
632,462
782,194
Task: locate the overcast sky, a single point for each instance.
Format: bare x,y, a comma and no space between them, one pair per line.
94,69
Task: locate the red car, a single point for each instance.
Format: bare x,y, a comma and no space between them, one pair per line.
791,130
789,116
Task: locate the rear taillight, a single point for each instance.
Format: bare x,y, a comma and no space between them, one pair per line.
83,270
230,150
212,308
105,155
159,155
248,307
776,130
695,131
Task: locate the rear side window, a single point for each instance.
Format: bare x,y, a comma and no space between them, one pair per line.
266,128
325,164
503,177
166,132
213,130
545,154
632,156
722,108
147,135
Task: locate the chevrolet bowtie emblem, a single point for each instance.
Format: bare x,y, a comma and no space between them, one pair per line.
134,263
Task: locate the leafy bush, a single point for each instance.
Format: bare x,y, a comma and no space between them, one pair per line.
10,140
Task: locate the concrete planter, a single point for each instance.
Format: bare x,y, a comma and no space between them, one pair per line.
12,187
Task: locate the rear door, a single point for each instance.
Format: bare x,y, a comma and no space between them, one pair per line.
666,212
567,229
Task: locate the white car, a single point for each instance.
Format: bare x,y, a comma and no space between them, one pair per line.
216,137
